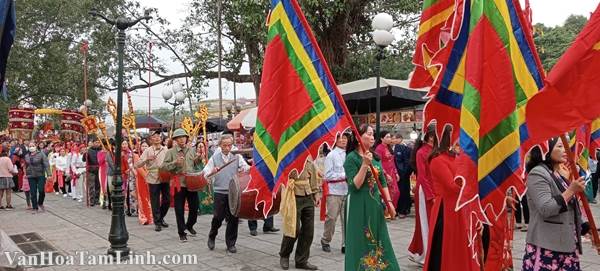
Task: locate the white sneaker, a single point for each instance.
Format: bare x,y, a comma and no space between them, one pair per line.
65,195
56,193
79,200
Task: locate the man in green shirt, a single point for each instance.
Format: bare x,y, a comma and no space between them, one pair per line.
181,159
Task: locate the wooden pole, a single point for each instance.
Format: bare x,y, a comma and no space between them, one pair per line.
582,197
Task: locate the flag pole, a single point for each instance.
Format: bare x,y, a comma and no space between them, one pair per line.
582,197
388,201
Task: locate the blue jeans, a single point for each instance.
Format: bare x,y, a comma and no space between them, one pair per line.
37,190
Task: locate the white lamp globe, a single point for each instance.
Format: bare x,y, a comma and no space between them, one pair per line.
413,135
177,88
179,97
382,21
167,94
382,37
88,103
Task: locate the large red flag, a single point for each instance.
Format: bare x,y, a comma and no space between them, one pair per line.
571,95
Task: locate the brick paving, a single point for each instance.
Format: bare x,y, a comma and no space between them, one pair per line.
71,227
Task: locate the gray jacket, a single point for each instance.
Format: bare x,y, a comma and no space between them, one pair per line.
37,164
553,224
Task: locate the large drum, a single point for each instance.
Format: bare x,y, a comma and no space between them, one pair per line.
241,204
195,181
164,176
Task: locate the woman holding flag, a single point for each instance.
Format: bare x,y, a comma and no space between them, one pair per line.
555,228
368,245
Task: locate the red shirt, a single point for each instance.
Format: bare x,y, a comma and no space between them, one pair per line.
423,173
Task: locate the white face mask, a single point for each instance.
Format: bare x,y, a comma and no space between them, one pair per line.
32,149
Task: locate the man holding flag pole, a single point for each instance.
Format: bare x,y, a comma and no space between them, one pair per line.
300,110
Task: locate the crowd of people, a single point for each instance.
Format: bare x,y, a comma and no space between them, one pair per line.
346,182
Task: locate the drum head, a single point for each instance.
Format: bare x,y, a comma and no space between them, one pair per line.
235,192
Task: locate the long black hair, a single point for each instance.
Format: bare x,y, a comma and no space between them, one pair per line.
353,141
442,146
382,134
429,134
536,157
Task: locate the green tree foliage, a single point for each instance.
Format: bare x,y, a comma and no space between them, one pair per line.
552,42
45,67
341,28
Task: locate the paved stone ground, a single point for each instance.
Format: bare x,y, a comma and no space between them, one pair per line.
70,227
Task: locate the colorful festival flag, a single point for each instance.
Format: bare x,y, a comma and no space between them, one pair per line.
579,142
594,138
8,29
489,73
434,33
300,107
572,87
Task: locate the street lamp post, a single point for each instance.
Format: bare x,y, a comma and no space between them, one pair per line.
179,100
118,235
414,134
382,25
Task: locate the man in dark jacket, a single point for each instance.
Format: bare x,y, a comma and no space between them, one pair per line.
402,154
92,180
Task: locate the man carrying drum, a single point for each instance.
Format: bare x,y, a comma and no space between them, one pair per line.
179,160
223,167
152,158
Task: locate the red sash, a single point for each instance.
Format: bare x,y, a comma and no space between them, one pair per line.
325,187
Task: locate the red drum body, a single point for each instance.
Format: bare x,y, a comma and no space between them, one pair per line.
195,181
241,203
164,176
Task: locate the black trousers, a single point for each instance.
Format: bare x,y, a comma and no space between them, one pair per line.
66,185
435,256
36,188
220,212
159,200
305,229
522,211
181,197
268,224
595,184
16,188
404,202
93,187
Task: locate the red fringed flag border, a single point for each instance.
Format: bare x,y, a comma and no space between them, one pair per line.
434,34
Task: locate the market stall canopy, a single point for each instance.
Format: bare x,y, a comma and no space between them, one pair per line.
246,119
360,96
149,122
249,121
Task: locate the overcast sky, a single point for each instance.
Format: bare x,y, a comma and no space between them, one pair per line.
548,12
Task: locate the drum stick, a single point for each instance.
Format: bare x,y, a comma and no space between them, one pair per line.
221,168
